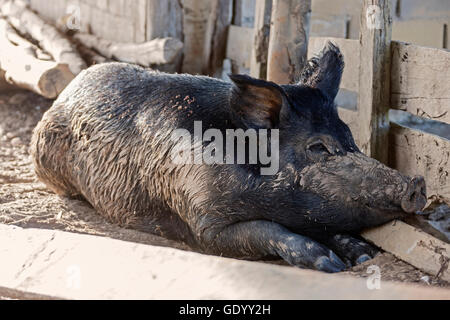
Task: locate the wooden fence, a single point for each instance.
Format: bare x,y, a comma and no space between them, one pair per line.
380,75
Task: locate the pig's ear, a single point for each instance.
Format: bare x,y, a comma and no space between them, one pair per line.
324,72
256,103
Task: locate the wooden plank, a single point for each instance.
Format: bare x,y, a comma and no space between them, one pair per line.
422,32
61,264
288,45
164,19
244,13
330,25
352,8
413,246
374,78
239,45
414,152
198,32
258,59
223,13
420,81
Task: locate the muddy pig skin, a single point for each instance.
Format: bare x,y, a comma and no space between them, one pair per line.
107,139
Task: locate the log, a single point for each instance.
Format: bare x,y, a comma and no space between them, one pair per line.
414,246
89,55
48,37
374,78
46,78
154,52
288,44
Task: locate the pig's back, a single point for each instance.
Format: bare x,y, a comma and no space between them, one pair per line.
122,94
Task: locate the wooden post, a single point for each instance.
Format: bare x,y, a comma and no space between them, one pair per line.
223,15
258,62
288,45
244,12
374,78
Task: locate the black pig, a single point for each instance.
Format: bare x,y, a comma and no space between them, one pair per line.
107,138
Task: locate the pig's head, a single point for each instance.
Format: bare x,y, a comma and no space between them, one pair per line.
323,177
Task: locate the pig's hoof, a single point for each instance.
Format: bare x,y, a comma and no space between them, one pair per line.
352,250
329,264
363,258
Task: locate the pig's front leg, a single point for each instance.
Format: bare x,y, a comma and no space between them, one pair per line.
354,251
261,239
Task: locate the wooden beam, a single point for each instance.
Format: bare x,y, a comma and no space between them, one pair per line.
239,45
415,152
288,45
198,31
374,78
420,81
413,246
222,11
61,264
260,49
153,52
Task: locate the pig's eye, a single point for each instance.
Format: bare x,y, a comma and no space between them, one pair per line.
319,148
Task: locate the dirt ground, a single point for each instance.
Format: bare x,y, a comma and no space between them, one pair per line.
26,202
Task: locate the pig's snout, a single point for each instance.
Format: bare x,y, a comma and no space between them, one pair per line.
415,196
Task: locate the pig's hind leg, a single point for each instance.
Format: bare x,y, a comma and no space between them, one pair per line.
263,239
354,251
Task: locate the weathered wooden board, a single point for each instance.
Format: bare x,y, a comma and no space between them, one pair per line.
75,266
423,32
222,13
414,152
288,44
258,62
413,246
420,81
330,25
198,32
164,19
244,12
240,42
